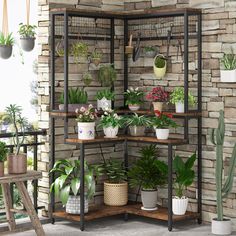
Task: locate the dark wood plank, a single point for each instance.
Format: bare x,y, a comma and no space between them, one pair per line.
99,139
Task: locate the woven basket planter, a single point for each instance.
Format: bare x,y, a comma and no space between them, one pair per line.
115,194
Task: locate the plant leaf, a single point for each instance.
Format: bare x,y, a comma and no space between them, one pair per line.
75,185
65,194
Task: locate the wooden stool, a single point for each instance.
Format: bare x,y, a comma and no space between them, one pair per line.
30,211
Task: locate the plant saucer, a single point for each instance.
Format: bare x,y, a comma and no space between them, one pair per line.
149,209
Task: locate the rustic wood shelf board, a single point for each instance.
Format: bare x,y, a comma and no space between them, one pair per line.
98,139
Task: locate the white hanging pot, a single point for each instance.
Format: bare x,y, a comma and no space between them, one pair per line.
159,71
162,133
221,227
228,76
157,106
110,132
73,205
27,43
179,107
86,130
134,107
103,104
179,205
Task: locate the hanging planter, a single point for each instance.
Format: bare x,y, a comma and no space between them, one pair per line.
159,66
129,48
96,57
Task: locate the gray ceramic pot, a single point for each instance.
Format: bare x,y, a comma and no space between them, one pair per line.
27,44
137,130
149,198
72,107
5,51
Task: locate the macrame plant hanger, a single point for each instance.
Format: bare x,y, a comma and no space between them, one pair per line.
5,19
27,12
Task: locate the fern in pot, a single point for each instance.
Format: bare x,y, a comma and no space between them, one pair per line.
6,45
133,98
104,99
3,157
228,71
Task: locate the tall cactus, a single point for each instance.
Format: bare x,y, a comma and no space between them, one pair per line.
217,138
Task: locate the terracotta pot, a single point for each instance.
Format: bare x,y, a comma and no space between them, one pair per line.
1,169
17,164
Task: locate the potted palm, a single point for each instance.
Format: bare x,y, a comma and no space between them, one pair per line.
137,124
107,75
27,36
159,66
184,177
67,184
6,44
148,173
116,187
158,96
133,98
96,57
86,117
150,51
228,73
104,99
79,51
17,162
3,157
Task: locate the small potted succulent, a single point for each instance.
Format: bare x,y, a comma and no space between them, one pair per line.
228,72
137,124
111,122
96,57
133,98
67,184
162,123
27,36
79,51
159,66
150,51
148,173
104,99
116,187
6,44
3,157
86,117
184,177
107,75
177,98
158,96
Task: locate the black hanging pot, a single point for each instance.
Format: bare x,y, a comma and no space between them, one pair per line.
27,43
5,51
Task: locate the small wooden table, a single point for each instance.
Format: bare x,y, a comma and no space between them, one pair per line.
19,180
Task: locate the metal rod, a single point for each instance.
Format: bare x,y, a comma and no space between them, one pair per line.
112,49
125,57
35,182
170,216
199,62
82,187
52,16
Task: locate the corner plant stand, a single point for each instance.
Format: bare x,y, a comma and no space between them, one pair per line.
19,180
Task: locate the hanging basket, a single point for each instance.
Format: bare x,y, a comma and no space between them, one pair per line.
5,51
27,43
159,66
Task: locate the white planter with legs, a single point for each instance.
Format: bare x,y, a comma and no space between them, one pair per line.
111,132
86,130
162,133
179,205
179,107
228,76
221,227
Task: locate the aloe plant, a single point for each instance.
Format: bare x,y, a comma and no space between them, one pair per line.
6,40
106,93
75,96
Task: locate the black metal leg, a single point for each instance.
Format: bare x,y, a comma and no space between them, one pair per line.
126,216
82,187
126,167
170,221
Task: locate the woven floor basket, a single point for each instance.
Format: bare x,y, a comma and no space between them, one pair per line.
115,194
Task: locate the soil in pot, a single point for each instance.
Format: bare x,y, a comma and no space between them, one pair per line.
221,227
17,164
73,205
1,169
5,51
149,199
27,44
137,130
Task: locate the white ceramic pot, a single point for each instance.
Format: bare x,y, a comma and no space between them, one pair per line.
149,199
162,133
111,132
73,205
134,107
221,227
157,106
228,76
179,107
103,104
179,205
86,130
159,72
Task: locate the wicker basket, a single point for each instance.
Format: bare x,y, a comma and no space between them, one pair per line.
115,194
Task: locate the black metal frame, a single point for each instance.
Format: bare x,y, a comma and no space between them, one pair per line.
125,17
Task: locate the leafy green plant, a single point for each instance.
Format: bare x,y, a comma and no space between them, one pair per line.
107,75
149,49
178,96
6,40
87,78
3,151
96,55
148,172
136,120
163,121
184,174
133,96
27,31
68,180
78,50
75,96
229,61
110,119
106,93
160,62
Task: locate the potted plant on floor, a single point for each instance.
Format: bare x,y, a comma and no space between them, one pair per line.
27,36
148,173
96,57
137,124
116,187
67,184
220,224
77,98
158,96
17,162
177,98
104,99
3,157
107,75
133,98
184,177
86,117
159,66
6,44
79,51
150,51
228,73
162,124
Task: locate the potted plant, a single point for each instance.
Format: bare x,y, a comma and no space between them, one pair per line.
96,57
86,117
87,78
150,51
111,122
77,98
137,124
184,177
159,66
158,96
228,73
107,75
177,98
161,123
104,99
6,44
3,157
147,173
27,36
17,162
79,51
133,98
220,224
116,187
67,184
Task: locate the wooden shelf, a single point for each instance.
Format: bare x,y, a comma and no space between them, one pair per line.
102,211
99,139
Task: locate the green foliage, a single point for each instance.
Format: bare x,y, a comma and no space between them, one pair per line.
27,31
96,54
107,75
178,96
75,96
184,173
163,121
133,96
111,119
229,61
149,49
148,172
78,50
87,78
160,62
3,151
8,40
106,93
136,120
68,179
